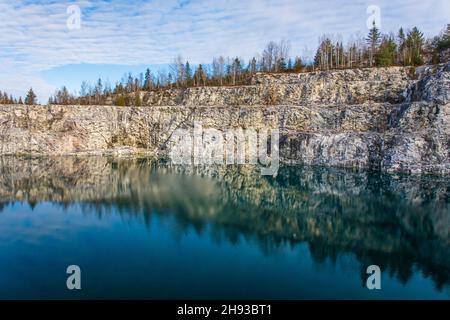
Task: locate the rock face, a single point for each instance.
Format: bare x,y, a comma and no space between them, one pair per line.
390,119
335,87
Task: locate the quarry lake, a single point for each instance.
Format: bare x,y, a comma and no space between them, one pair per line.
138,228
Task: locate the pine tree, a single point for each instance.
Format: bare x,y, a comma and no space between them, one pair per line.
317,59
188,74
386,53
289,65
298,65
444,41
30,98
401,46
200,76
281,65
235,71
415,41
99,86
148,83
373,40
440,44
62,96
324,54
253,67
169,79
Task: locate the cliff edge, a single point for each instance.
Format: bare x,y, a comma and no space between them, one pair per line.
392,119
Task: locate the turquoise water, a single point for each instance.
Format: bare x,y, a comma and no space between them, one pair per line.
142,229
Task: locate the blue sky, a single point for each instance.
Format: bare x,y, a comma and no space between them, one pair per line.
38,49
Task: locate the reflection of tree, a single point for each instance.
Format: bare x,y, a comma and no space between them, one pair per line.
397,222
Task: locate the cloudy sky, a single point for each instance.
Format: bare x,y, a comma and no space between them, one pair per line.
42,46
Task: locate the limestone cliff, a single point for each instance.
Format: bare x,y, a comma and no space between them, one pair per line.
394,119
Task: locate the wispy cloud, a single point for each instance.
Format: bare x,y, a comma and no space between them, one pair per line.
34,36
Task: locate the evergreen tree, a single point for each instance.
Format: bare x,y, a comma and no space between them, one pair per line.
148,83
235,71
324,57
298,65
444,42
415,43
401,46
99,87
65,96
188,74
253,67
289,65
169,79
200,76
317,59
373,40
440,43
30,98
386,54
281,65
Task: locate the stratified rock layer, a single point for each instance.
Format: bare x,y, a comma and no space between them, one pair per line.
384,119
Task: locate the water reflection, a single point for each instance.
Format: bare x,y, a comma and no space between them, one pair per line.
399,222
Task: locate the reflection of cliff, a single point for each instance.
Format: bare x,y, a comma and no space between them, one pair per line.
398,222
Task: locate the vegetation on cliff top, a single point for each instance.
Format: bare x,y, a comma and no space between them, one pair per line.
407,48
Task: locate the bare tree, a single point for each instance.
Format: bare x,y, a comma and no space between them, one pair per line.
177,69
218,69
273,54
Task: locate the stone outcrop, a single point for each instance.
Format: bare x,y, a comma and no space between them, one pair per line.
393,119
354,86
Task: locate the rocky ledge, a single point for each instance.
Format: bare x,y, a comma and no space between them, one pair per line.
390,119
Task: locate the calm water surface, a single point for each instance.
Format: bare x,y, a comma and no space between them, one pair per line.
142,229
